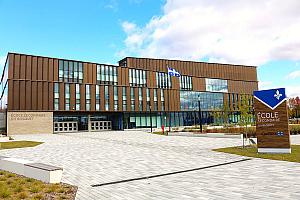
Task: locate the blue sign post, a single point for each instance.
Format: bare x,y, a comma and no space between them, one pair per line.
272,127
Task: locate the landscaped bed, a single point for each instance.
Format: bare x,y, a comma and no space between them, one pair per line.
251,151
13,187
18,144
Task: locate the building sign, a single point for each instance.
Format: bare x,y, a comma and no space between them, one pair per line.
29,122
272,127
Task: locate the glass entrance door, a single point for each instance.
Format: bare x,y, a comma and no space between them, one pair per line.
83,123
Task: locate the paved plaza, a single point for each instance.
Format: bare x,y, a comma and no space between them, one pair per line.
105,157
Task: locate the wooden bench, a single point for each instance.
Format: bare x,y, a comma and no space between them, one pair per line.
43,172
39,171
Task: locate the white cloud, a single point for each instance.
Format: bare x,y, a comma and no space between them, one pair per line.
2,63
293,91
262,85
293,75
243,32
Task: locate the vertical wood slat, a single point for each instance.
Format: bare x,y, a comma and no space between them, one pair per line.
102,98
55,70
40,68
22,94
51,106
23,67
28,67
45,69
82,96
45,95
28,95
17,66
93,97
34,95
61,96
40,95
72,96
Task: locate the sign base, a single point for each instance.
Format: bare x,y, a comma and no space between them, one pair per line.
274,150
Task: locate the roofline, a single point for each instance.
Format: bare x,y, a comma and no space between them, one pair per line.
189,61
89,62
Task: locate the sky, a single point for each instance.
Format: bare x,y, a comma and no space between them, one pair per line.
263,33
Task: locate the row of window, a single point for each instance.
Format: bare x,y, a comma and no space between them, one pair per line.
216,85
69,71
185,83
137,77
106,98
163,80
107,75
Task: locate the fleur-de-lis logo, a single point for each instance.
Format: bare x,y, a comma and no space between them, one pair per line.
277,95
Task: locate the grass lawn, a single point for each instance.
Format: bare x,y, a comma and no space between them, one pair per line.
13,187
18,144
252,152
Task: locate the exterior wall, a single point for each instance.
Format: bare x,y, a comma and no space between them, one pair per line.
31,82
29,122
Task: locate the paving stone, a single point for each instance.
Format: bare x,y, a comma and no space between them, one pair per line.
102,157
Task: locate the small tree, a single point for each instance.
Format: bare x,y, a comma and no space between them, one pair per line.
245,113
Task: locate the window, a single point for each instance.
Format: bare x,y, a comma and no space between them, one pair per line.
69,71
56,96
80,72
124,98
98,74
61,70
162,99
208,101
87,97
76,74
132,99
106,95
97,97
140,99
185,83
148,98
216,85
163,80
107,75
137,77
155,99
66,71
67,96
77,96
115,98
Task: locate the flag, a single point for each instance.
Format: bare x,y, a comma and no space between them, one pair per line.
173,72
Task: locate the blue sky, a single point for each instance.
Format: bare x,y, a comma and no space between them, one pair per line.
105,31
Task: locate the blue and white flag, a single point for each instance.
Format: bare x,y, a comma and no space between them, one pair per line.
173,72
271,98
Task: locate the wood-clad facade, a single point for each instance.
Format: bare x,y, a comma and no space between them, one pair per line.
31,85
